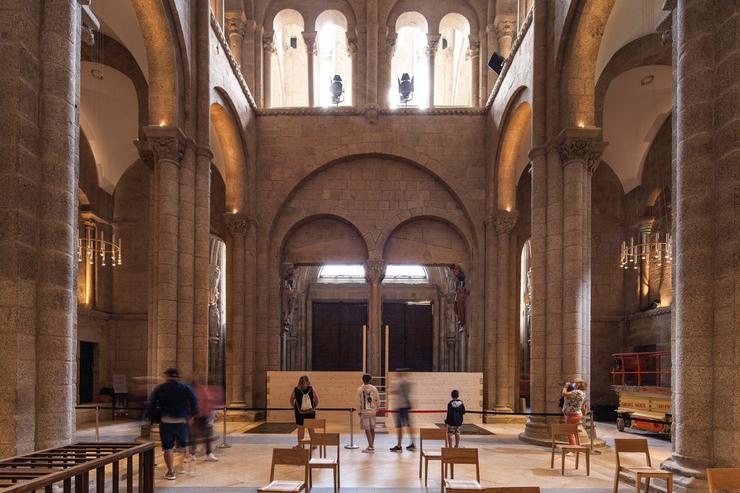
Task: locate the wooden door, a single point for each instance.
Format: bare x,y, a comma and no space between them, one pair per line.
411,332
336,340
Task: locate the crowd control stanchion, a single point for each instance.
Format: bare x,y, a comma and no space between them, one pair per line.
351,445
97,423
223,443
591,434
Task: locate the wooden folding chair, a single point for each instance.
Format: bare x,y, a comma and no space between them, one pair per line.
568,429
312,425
639,446
430,434
514,489
322,441
288,457
452,456
723,479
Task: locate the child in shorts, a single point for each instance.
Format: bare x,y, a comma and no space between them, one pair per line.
454,419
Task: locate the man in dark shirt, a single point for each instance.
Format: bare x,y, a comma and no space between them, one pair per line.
174,404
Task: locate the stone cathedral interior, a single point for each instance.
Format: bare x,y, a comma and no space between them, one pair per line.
518,200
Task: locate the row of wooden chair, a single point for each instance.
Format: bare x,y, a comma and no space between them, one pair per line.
303,457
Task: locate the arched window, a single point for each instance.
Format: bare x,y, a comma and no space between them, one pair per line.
452,64
333,58
289,77
410,57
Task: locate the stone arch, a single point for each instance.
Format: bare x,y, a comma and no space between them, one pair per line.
226,127
162,61
322,238
433,14
430,238
282,5
517,125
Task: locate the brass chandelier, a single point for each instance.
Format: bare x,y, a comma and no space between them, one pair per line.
648,248
94,245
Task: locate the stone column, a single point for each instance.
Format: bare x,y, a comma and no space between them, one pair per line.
371,10
646,229
490,360
503,224
505,31
352,50
474,56
311,51
706,189
387,79
238,226
432,42
163,148
201,261
493,45
374,274
235,33
185,261
250,322
269,50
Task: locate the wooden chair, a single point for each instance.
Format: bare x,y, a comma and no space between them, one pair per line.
310,425
322,441
568,429
452,456
429,434
639,446
723,479
288,457
514,489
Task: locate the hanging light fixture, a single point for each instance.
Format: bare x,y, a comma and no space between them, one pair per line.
93,246
406,88
337,90
648,248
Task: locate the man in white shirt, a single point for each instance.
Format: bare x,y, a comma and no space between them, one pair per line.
369,400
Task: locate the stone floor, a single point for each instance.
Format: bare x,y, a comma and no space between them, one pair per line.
505,461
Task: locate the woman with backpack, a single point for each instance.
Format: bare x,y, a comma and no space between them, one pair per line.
304,400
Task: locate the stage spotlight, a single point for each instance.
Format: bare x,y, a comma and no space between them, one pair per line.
406,88
496,63
337,90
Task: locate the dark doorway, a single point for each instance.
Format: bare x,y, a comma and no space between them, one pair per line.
87,371
410,336
336,341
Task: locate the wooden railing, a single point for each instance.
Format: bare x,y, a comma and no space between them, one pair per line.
71,466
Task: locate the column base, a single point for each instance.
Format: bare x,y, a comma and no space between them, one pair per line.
502,418
537,432
689,476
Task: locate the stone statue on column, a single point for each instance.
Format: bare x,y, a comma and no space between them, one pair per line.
461,294
288,293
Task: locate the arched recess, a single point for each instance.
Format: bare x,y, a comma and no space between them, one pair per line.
231,150
334,57
428,241
432,12
410,57
452,65
513,154
323,239
289,67
161,61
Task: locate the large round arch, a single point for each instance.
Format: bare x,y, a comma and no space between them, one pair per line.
512,155
323,239
231,150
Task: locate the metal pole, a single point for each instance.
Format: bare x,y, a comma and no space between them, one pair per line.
351,445
97,422
364,349
223,443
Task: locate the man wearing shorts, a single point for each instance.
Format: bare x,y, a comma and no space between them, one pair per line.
369,400
174,405
402,401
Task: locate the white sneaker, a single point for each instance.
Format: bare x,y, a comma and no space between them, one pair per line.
368,450
211,458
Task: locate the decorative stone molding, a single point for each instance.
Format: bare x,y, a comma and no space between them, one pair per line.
504,221
432,42
473,50
235,25
375,271
309,37
237,224
505,26
371,112
353,111
268,43
352,45
581,145
161,143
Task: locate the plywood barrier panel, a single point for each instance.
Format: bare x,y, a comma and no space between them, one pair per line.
431,391
336,389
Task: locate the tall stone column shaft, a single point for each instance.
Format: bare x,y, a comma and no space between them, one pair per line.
250,323
432,42
201,261
163,149
387,79
238,226
269,50
185,261
706,190
474,55
56,303
311,51
503,223
374,274
490,359
235,30
492,38
371,95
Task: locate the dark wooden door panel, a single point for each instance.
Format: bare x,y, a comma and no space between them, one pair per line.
410,336
337,336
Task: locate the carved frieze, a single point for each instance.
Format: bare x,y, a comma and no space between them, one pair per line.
374,271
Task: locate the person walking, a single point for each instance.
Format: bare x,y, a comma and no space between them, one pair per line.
304,400
574,400
369,402
173,404
209,398
402,400
454,419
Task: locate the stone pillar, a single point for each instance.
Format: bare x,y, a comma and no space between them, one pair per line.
185,261
493,45
162,148
371,10
249,58
311,51
352,50
387,79
432,42
505,31
646,229
490,360
235,33
250,322
474,56
374,274
269,50
201,253
503,224
238,226
706,189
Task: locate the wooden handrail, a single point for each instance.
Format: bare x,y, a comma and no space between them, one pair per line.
59,465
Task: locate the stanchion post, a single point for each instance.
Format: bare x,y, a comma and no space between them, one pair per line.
223,443
351,445
97,423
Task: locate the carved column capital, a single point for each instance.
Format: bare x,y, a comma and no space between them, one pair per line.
268,43
375,271
235,25
161,143
390,44
581,145
238,224
351,44
432,42
309,37
505,26
504,221
474,49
